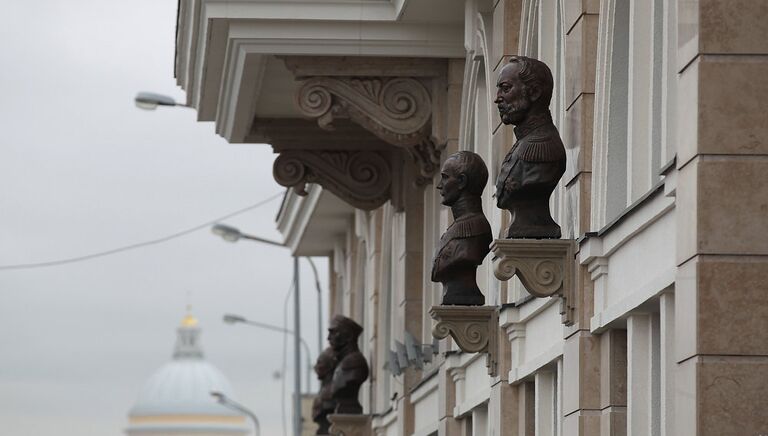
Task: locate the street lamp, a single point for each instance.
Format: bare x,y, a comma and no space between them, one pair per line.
232,234
319,306
150,101
234,319
231,404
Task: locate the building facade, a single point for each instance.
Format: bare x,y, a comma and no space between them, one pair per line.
660,104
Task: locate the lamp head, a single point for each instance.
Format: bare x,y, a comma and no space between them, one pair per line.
233,319
228,233
150,101
220,398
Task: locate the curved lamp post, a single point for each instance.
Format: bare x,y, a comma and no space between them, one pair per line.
232,234
234,319
232,404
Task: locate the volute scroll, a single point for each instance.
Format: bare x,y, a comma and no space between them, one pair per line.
545,267
473,328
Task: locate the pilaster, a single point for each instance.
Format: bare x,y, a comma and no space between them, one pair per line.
613,383
721,308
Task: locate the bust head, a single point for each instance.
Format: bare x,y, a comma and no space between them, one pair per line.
524,86
463,173
343,332
326,362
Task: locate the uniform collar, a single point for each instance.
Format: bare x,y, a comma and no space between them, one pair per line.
533,122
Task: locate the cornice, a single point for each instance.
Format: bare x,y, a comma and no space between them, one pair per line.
214,41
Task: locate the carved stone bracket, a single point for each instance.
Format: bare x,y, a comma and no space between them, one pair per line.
546,267
361,178
350,425
397,110
474,328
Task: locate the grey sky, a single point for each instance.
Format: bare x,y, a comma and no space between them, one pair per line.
83,170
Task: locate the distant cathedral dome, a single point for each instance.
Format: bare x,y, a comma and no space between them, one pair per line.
176,400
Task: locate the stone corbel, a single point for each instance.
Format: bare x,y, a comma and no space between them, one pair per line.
545,267
592,256
350,425
361,178
397,110
473,328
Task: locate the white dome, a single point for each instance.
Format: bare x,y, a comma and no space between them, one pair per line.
183,387
177,397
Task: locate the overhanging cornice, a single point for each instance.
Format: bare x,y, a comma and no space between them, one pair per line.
215,36
244,65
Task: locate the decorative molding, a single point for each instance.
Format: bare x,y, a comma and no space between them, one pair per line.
397,110
304,67
597,268
473,328
361,178
350,425
457,374
546,267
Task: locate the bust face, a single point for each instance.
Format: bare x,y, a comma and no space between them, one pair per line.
336,336
512,98
452,182
340,335
324,365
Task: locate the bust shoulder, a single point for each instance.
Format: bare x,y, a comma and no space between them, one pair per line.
542,145
471,225
353,360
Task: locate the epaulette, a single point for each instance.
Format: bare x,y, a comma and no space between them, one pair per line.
474,225
541,148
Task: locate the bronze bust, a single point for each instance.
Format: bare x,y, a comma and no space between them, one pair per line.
536,162
465,243
351,370
323,405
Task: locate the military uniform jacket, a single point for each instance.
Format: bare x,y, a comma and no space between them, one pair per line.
537,160
466,240
351,372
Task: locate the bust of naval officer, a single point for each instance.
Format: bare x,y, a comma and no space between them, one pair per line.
536,162
465,243
351,370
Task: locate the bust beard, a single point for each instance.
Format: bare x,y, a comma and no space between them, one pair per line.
514,112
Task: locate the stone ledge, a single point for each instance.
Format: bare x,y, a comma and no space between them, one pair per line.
350,425
474,328
546,267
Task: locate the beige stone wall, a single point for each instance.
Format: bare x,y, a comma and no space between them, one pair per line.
681,356
721,302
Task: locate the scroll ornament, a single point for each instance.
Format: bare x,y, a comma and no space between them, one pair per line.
397,110
545,267
361,178
474,328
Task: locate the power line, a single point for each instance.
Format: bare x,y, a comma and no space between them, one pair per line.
139,244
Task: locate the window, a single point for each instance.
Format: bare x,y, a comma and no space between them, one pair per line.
635,105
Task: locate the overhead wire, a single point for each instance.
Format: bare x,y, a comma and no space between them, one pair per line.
138,244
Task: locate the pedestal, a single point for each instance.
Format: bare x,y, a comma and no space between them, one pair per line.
350,425
546,267
474,328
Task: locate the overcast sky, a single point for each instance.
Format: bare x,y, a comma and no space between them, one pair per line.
82,170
